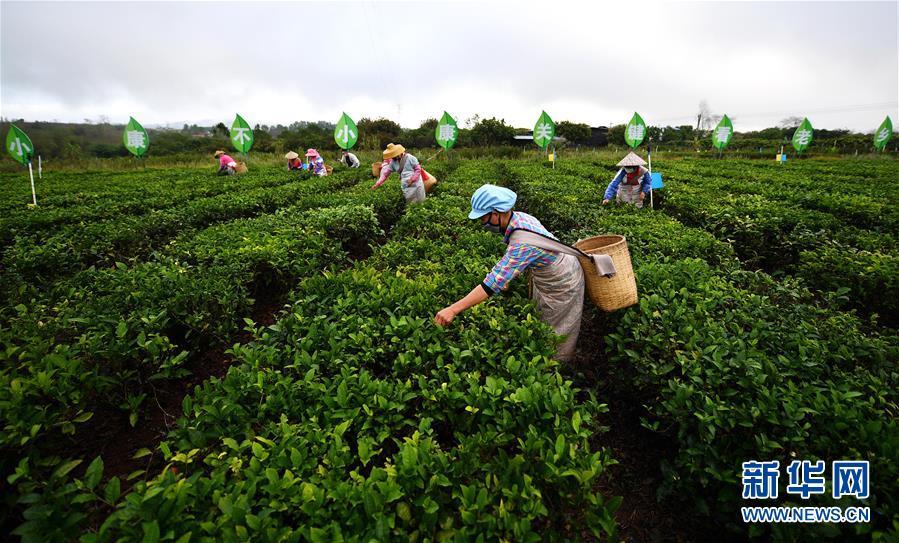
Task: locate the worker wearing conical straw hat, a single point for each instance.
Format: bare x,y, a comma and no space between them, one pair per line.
557,278
631,184
293,161
396,159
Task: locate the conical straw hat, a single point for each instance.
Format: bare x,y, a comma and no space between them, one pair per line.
632,160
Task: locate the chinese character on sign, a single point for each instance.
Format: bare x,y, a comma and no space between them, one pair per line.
135,139
344,134
806,478
851,478
635,132
723,133
544,131
760,479
240,135
882,135
17,146
803,137
447,132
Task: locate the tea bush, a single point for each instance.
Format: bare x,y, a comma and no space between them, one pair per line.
354,417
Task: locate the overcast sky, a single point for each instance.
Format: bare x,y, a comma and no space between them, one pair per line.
593,62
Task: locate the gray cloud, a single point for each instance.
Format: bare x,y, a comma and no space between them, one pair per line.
588,62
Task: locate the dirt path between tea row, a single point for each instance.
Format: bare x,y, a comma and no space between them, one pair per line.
638,451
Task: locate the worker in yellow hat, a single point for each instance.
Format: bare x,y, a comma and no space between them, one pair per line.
396,159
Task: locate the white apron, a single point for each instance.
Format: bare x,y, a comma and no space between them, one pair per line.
630,194
558,290
414,192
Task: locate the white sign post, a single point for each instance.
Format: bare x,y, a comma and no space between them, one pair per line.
31,175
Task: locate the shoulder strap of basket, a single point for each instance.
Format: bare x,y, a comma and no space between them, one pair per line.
519,235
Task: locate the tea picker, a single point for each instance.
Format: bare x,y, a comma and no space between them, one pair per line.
348,159
632,182
397,160
315,163
558,282
227,165
293,161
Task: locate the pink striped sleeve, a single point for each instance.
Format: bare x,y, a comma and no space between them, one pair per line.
416,174
385,173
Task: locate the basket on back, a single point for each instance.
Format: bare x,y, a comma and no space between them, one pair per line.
609,293
429,181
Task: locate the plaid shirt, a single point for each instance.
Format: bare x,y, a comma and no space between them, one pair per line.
519,256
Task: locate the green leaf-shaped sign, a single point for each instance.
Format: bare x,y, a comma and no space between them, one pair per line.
883,134
802,137
135,137
723,133
544,130
346,133
447,132
635,131
19,145
241,135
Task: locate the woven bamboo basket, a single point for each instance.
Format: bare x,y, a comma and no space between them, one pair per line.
376,169
609,293
241,168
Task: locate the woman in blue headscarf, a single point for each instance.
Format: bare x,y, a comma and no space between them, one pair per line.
558,281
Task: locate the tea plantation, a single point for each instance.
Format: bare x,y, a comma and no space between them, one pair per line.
194,358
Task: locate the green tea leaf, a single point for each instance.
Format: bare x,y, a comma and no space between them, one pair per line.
94,473
635,131
19,145
135,138
544,130
802,137
447,132
346,133
241,135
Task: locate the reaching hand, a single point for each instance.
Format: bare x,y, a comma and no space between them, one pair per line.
444,316
606,201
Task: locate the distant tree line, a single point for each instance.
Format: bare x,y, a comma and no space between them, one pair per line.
102,139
